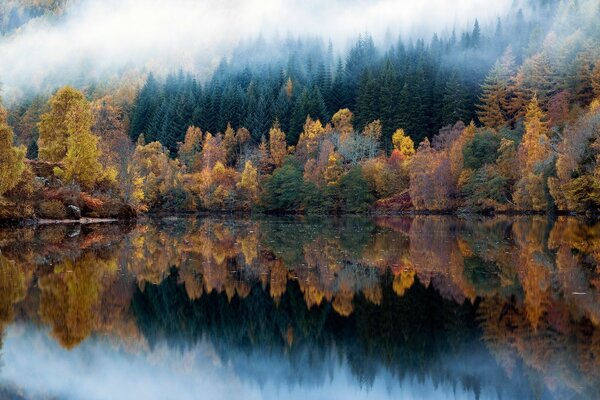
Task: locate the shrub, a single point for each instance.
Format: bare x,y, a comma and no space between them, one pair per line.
51,209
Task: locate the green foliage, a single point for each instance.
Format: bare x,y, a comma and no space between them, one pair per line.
483,149
354,193
283,190
485,190
315,200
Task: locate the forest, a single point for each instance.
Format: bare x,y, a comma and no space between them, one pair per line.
491,119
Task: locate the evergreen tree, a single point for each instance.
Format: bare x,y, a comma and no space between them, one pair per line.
145,107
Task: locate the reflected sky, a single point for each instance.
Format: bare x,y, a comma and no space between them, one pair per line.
100,370
298,308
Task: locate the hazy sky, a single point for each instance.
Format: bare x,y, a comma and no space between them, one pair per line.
99,36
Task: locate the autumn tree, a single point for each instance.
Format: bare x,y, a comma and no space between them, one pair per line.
534,150
309,140
277,145
114,144
242,139
156,178
249,182
189,150
55,125
342,122
431,182
334,169
373,131
213,150
575,186
403,143
12,158
81,162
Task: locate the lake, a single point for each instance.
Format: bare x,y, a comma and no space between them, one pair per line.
433,307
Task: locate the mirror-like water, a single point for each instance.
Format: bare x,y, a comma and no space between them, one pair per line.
355,307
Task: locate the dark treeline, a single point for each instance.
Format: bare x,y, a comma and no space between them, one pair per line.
420,86
426,330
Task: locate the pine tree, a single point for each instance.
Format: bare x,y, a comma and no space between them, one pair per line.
454,100
336,96
145,107
475,41
229,144
492,111
367,104
388,101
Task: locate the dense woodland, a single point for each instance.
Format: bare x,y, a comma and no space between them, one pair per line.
500,118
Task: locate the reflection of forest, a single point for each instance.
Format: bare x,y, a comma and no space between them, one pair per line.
403,294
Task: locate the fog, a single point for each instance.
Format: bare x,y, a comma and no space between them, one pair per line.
97,38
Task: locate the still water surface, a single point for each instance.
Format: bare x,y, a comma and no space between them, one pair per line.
299,308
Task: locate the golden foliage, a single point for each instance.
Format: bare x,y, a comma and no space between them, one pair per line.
12,159
403,143
277,145
189,150
342,122
55,126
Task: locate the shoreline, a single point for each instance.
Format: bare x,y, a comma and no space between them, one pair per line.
203,214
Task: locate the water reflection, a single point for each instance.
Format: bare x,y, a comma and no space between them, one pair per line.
434,307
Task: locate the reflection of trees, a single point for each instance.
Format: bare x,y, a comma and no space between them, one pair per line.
355,285
412,336
70,297
12,290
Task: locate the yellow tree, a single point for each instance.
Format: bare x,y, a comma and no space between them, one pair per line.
309,138
12,158
189,150
249,182
333,171
403,143
212,150
533,151
54,125
81,163
342,122
277,145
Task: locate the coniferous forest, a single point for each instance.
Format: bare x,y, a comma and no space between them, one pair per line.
501,117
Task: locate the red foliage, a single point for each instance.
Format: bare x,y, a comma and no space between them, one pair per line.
398,202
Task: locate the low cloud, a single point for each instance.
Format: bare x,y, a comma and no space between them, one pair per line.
97,38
